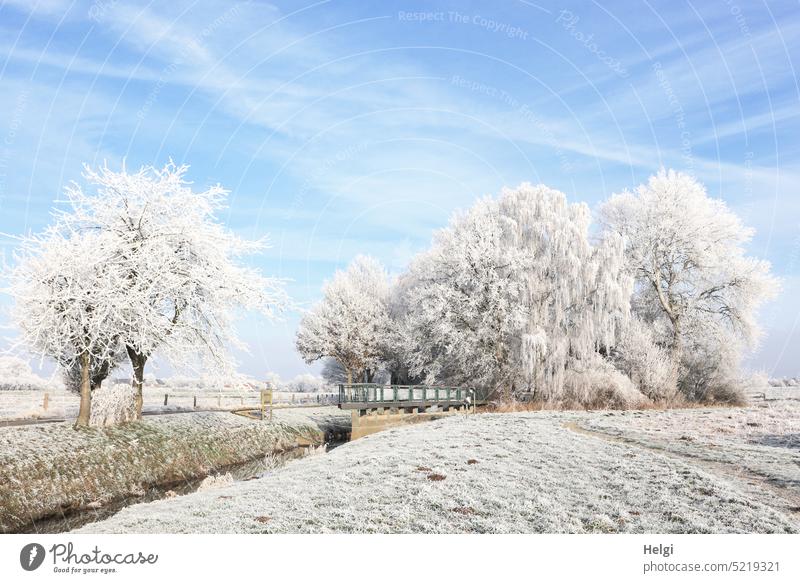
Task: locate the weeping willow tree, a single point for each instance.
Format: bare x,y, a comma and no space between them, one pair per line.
513,294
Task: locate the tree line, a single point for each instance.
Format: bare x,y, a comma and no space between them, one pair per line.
655,301
651,300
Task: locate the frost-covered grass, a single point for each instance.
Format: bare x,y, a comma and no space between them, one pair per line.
29,403
516,472
47,468
760,443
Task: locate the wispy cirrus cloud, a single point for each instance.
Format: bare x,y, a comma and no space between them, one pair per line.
343,127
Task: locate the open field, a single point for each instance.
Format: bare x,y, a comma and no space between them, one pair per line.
682,471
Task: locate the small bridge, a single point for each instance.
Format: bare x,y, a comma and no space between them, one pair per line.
375,407
423,397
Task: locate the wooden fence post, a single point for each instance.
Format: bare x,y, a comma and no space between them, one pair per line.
195,402
46,402
266,403
166,399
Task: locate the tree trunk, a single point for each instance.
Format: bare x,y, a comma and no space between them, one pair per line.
85,411
100,374
349,376
138,361
677,346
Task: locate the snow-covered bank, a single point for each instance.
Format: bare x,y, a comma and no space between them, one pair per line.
516,472
49,468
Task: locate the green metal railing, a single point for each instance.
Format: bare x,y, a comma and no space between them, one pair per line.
376,393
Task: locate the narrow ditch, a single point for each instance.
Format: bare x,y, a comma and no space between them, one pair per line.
250,470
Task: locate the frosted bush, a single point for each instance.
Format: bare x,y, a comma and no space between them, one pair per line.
711,365
598,385
757,381
112,404
647,365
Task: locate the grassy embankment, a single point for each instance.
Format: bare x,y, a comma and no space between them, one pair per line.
49,469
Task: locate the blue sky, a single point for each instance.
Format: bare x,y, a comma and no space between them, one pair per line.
351,127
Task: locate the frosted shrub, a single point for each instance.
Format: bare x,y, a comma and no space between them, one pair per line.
598,385
112,404
647,365
710,373
754,382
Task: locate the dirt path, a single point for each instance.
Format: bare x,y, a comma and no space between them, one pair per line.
757,486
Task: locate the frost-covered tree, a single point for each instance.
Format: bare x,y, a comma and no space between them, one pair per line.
398,345
183,275
16,375
272,380
67,304
333,372
13,367
351,321
695,286
512,292
466,303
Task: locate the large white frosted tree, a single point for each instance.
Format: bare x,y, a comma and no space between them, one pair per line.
465,305
695,285
513,292
182,272
67,303
351,322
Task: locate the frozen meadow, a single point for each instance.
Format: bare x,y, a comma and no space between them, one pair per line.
722,470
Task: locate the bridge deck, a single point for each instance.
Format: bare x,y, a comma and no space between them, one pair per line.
370,395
